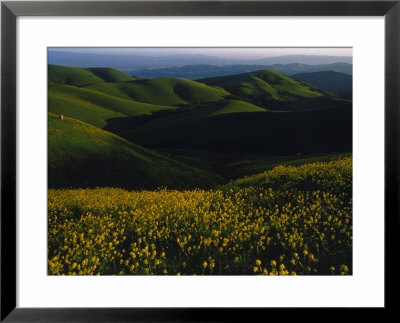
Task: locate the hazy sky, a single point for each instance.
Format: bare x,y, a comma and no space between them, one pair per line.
219,52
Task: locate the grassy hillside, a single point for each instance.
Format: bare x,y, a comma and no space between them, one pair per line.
81,110
340,84
163,91
95,107
71,76
80,155
110,75
231,106
325,130
266,88
83,76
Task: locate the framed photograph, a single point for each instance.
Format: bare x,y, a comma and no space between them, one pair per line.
182,160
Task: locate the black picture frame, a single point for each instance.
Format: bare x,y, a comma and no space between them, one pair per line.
10,10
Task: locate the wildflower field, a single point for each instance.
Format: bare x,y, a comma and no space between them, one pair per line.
285,221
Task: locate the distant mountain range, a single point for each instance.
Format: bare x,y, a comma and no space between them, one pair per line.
193,72
131,63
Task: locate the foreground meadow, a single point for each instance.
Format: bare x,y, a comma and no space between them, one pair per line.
286,221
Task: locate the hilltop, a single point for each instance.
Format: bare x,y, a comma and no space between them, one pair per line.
163,91
270,89
83,76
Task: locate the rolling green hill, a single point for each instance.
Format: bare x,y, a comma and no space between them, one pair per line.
95,107
163,91
110,75
340,84
266,88
83,76
80,155
71,76
80,109
231,106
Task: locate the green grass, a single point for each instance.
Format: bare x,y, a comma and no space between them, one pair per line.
234,106
80,109
83,76
71,76
265,88
95,107
119,90
80,155
163,91
110,75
